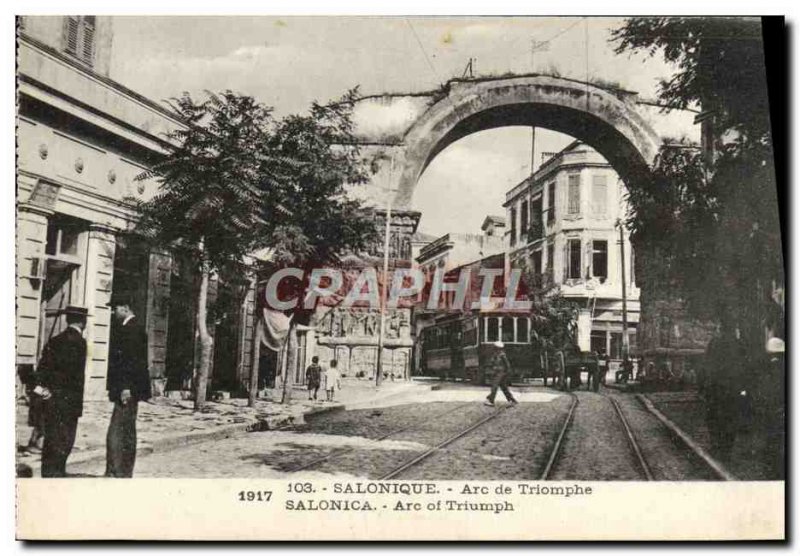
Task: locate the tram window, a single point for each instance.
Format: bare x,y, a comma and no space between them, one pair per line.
508,329
492,334
522,330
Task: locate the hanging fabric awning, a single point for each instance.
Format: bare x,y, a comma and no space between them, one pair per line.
274,328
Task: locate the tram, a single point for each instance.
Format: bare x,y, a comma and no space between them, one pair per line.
459,347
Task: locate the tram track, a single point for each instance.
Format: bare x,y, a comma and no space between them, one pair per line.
631,441
435,449
347,450
556,449
691,448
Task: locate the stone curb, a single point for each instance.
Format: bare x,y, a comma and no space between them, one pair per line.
167,443
717,467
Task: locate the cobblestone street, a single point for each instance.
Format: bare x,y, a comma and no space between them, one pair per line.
376,435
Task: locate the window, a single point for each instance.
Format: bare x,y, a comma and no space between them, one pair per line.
599,194
597,341
79,37
522,330
508,330
600,259
470,332
492,329
573,259
551,202
551,266
63,237
536,228
633,267
574,194
513,230
537,264
523,224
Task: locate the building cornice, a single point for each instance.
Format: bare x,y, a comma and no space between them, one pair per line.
88,72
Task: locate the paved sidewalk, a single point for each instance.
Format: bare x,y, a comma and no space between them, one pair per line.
687,410
164,423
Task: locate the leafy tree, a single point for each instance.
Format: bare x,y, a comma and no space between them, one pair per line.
712,220
239,181
321,160
217,194
553,317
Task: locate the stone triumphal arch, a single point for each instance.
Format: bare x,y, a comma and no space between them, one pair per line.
411,129
405,132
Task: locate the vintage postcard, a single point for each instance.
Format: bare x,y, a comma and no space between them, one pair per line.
399,278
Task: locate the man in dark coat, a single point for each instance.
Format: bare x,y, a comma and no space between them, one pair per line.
128,384
726,390
501,368
59,381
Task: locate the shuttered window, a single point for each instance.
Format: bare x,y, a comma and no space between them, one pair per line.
574,192
79,37
72,35
551,202
599,194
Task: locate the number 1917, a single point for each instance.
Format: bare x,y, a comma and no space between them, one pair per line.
255,495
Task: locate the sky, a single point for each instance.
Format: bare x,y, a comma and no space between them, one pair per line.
288,62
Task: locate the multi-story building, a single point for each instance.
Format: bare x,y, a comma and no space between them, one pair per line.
454,249
82,140
564,225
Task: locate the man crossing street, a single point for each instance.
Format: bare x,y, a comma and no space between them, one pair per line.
501,369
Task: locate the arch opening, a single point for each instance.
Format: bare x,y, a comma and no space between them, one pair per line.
626,158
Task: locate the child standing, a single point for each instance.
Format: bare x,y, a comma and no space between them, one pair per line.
332,381
313,374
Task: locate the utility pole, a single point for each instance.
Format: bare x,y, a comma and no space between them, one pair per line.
625,346
536,46
387,234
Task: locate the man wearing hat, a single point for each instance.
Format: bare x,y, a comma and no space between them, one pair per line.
501,368
128,383
59,381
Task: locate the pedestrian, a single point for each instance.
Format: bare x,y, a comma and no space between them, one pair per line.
313,377
35,410
725,390
501,374
332,381
59,381
625,372
128,384
602,366
769,399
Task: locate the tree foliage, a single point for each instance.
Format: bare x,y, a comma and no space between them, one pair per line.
240,181
711,222
217,186
719,61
